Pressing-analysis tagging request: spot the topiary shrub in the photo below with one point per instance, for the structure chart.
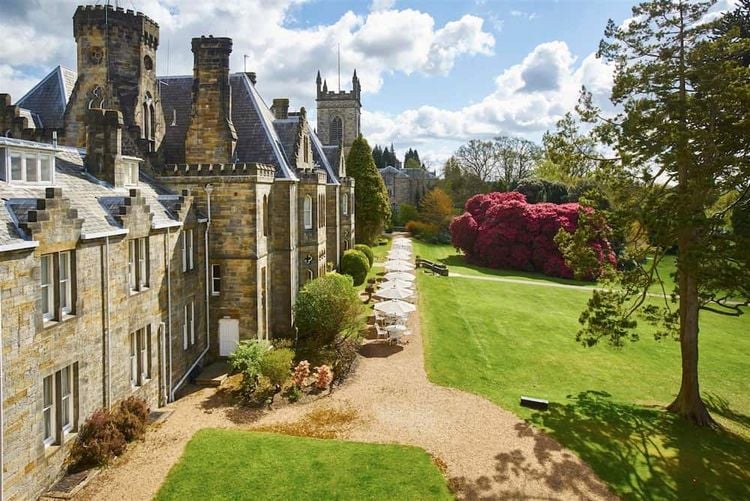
(99, 440)
(131, 417)
(367, 251)
(276, 365)
(326, 307)
(355, 264)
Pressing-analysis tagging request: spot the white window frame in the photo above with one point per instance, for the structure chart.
(190, 250)
(192, 323)
(30, 156)
(66, 283)
(131, 174)
(345, 204)
(143, 263)
(48, 411)
(48, 286)
(144, 354)
(307, 212)
(66, 398)
(183, 243)
(133, 358)
(215, 280)
(185, 328)
(132, 275)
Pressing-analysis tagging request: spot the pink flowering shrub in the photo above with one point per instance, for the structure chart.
(323, 377)
(502, 230)
(301, 373)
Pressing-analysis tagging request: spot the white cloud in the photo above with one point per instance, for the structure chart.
(530, 16)
(382, 4)
(528, 99)
(285, 58)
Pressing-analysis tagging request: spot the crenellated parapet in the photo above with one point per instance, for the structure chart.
(263, 171)
(89, 17)
(312, 176)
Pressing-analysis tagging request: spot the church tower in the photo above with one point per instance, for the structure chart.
(116, 52)
(338, 113)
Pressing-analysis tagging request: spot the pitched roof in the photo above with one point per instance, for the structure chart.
(96, 201)
(320, 156)
(392, 170)
(257, 139)
(47, 99)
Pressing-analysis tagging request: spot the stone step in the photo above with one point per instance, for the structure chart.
(213, 375)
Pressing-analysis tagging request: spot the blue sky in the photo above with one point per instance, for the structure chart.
(434, 73)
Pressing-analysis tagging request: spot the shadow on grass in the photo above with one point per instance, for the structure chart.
(646, 453)
(457, 260)
(720, 406)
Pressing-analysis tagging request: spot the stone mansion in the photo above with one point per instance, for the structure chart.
(147, 225)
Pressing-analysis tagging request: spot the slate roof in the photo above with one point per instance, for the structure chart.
(96, 201)
(288, 131)
(415, 172)
(257, 138)
(392, 170)
(333, 154)
(47, 100)
(320, 156)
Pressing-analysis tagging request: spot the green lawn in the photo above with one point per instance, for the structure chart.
(503, 340)
(227, 464)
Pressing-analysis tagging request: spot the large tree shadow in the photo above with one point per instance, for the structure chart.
(647, 453)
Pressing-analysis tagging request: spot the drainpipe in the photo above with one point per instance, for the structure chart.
(209, 190)
(163, 364)
(169, 305)
(108, 324)
(2, 408)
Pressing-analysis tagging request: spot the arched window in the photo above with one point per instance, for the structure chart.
(336, 132)
(345, 204)
(148, 131)
(307, 212)
(306, 146)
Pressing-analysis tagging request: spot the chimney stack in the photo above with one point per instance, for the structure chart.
(104, 145)
(280, 108)
(211, 137)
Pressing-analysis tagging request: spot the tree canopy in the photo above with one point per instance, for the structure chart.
(680, 145)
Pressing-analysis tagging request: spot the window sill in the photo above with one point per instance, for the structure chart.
(215, 294)
(51, 449)
(49, 323)
(135, 292)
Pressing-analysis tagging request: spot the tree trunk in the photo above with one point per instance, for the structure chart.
(688, 403)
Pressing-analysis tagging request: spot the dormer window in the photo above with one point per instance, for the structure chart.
(131, 173)
(29, 167)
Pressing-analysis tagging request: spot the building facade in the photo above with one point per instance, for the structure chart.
(149, 224)
(407, 185)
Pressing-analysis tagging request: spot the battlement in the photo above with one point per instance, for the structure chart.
(236, 169)
(342, 95)
(87, 17)
(312, 176)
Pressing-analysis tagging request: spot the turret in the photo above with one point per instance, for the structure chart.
(116, 52)
(318, 82)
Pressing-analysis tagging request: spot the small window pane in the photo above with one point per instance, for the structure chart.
(32, 169)
(48, 409)
(65, 396)
(16, 170)
(45, 166)
(48, 298)
(131, 265)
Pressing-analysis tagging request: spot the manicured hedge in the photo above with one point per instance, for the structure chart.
(355, 264)
(367, 251)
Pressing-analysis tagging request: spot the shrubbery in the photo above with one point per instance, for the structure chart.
(367, 251)
(355, 264)
(502, 230)
(326, 307)
(276, 365)
(106, 433)
(246, 359)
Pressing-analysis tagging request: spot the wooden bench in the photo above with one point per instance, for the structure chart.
(436, 268)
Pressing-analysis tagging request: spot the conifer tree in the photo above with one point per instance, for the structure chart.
(371, 206)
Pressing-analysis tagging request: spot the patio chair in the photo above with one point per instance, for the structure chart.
(381, 332)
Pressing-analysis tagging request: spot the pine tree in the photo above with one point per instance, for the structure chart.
(377, 156)
(371, 206)
(682, 145)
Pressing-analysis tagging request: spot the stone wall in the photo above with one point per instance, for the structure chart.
(94, 337)
(312, 242)
(333, 225)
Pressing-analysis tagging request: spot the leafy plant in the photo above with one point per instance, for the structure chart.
(367, 251)
(131, 417)
(355, 264)
(99, 440)
(301, 373)
(372, 208)
(247, 359)
(276, 365)
(328, 306)
(323, 377)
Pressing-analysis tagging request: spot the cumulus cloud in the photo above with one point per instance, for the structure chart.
(285, 57)
(528, 99)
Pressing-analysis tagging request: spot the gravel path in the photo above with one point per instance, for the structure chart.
(486, 452)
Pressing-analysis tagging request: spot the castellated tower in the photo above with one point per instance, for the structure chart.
(211, 137)
(116, 70)
(338, 114)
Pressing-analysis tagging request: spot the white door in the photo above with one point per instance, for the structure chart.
(229, 335)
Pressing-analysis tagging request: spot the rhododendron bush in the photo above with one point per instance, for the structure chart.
(502, 230)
